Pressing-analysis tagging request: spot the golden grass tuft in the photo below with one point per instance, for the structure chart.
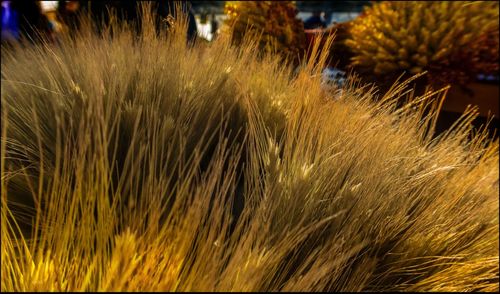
(142, 164)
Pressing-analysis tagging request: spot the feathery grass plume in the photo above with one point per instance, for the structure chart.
(122, 159)
(393, 37)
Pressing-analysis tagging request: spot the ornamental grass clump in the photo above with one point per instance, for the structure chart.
(144, 164)
(394, 37)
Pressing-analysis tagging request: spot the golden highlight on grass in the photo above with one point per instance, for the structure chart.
(143, 164)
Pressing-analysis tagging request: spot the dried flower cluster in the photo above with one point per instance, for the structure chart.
(393, 37)
(277, 21)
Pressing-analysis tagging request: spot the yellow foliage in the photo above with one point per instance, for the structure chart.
(281, 30)
(418, 35)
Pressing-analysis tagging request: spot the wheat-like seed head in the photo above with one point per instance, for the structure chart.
(142, 164)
